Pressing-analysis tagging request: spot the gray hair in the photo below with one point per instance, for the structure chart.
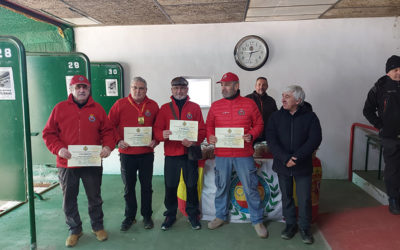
(139, 79)
(297, 91)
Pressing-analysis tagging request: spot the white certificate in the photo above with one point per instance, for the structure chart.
(183, 130)
(84, 155)
(229, 137)
(137, 136)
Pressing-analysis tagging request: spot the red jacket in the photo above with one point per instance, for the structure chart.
(191, 112)
(240, 112)
(70, 125)
(122, 114)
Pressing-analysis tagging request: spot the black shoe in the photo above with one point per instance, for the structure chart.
(168, 222)
(306, 236)
(289, 231)
(195, 223)
(127, 223)
(148, 223)
(394, 206)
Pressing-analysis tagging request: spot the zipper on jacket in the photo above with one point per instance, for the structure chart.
(291, 139)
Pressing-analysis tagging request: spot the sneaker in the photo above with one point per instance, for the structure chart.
(101, 235)
(195, 223)
(261, 230)
(168, 222)
(148, 223)
(127, 223)
(217, 222)
(72, 239)
(394, 207)
(289, 231)
(306, 236)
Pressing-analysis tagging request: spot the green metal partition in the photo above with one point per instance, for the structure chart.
(15, 134)
(12, 131)
(107, 80)
(49, 75)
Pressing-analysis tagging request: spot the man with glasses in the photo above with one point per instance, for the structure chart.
(176, 153)
(136, 114)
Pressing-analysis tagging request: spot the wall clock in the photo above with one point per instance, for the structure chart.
(251, 52)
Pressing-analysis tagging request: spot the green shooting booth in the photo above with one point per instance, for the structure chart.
(49, 75)
(107, 79)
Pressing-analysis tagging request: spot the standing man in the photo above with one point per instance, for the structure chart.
(235, 111)
(136, 111)
(79, 121)
(176, 153)
(293, 134)
(382, 110)
(265, 103)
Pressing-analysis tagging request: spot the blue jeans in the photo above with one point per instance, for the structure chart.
(247, 173)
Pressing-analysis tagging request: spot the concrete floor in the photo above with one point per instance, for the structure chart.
(336, 196)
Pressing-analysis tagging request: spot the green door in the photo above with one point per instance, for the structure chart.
(14, 126)
(107, 80)
(48, 78)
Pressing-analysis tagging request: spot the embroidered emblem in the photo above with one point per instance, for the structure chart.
(92, 118)
(189, 115)
(147, 113)
(81, 78)
(241, 112)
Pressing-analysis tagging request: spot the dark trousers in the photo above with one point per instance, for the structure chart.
(130, 165)
(69, 181)
(303, 192)
(172, 173)
(391, 155)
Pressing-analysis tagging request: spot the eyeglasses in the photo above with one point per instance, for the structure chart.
(138, 88)
(179, 87)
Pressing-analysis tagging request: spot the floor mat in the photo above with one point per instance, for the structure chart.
(364, 228)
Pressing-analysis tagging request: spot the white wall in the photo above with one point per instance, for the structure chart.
(336, 61)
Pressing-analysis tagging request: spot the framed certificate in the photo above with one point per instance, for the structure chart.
(137, 136)
(229, 137)
(84, 155)
(183, 130)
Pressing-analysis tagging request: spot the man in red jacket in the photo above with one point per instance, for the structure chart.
(235, 111)
(79, 121)
(128, 115)
(176, 153)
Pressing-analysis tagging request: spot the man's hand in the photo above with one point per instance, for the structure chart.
(153, 143)
(105, 152)
(212, 139)
(291, 162)
(166, 134)
(64, 153)
(247, 137)
(122, 144)
(187, 143)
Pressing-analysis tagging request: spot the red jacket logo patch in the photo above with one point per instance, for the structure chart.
(92, 118)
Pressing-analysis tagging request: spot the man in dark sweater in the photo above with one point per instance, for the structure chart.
(293, 134)
(265, 103)
(382, 110)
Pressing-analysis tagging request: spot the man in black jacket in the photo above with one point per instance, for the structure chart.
(382, 110)
(265, 103)
(293, 134)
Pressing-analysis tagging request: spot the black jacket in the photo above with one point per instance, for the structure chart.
(382, 107)
(267, 106)
(297, 135)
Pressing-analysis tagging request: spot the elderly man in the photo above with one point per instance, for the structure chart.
(382, 109)
(135, 112)
(265, 103)
(293, 134)
(176, 152)
(235, 111)
(79, 121)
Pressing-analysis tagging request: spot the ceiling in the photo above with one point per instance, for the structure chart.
(148, 12)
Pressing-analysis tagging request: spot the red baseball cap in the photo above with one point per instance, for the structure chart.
(229, 77)
(79, 79)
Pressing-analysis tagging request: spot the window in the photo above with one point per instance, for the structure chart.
(200, 90)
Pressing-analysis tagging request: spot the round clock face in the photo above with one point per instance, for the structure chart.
(251, 52)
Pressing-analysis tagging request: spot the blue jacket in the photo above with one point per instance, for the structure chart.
(297, 135)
